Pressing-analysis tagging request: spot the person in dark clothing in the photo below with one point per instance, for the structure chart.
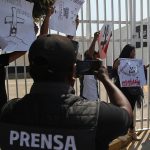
(51, 103)
(134, 94)
(5, 59)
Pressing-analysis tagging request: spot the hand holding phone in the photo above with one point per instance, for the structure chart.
(87, 67)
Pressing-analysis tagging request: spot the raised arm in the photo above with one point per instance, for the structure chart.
(14, 55)
(146, 66)
(45, 25)
(115, 95)
(91, 49)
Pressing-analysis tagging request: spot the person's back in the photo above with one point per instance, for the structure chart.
(48, 104)
(51, 103)
(41, 108)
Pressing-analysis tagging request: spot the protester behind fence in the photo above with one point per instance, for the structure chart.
(133, 94)
(50, 102)
(88, 83)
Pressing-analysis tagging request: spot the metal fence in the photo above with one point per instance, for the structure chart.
(130, 20)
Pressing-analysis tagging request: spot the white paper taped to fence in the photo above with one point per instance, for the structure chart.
(131, 72)
(16, 25)
(63, 19)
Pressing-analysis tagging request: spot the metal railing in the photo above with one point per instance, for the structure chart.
(127, 18)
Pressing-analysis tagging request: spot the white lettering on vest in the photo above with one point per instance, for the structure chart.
(58, 142)
(42, 141)
(46, 141)
(70, 143)
(34, 139)
(24, 138)
(14, 135)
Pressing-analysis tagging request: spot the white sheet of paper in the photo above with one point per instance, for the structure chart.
(63, 19)
(103, 39)
(3, 43)
(106, 32)
(16, 22)
(131, 72)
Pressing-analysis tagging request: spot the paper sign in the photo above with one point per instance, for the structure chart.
(131, 73)
(16, 22)
(63, 19)
(3, 43)
(104, 38)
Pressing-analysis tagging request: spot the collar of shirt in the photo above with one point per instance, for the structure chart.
(51, 88)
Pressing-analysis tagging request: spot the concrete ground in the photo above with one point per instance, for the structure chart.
(127, 144)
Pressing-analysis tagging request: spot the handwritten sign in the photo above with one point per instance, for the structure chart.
(63, 19)
(104, 38)
(131, 73)
(16, 22)
(3, 43)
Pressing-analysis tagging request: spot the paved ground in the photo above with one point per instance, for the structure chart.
(125, 143)
(143, 144)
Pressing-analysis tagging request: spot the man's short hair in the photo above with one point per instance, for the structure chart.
(51, 57)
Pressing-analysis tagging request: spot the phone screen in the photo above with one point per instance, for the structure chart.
(87, 67)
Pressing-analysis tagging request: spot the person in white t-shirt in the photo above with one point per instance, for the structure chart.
(88, 83)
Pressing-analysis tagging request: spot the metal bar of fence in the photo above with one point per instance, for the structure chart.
(103, 21)
(112, 19)
(130, 17)
(105, 60)
(97, 13)
(82, 31)
(148, 37)
(7, 84)
(119, 14)
(16, 77)
(25, 74)
(141, 27)
(127, 20)
(104, 1)
(88, 25)
(98, 29)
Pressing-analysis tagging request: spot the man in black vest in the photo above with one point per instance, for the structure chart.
(51, 103)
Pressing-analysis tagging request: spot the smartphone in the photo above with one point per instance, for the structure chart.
(87, 67)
